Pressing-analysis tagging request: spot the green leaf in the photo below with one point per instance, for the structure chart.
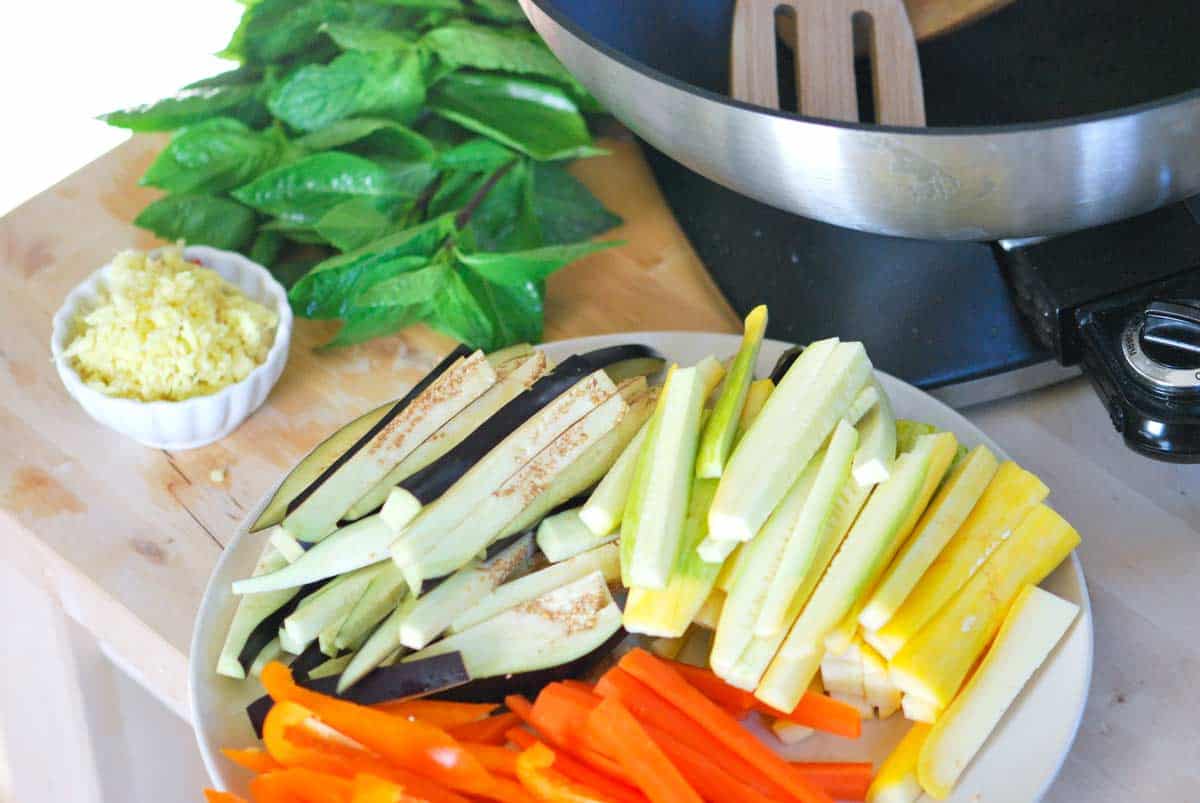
(417, 286)
(332, 285)
(370, 134)
(536, 118)
(238, 75)
(365, 323)
(192, 106)
(266, 247)
(293, 231)
(271, 30)
(457, 188)
(213, 156)
(458, 313)
(516, 311)
(292, 268)
(348, 36)
(534, 265)
(304, 190)
(354, 223)
(485, 48)
(498, 10)
(381, 84)
(199, 220)
(505, 220)
(431, 5)
(566, 211)
(476, 155)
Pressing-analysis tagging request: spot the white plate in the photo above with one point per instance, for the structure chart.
(1017, 764)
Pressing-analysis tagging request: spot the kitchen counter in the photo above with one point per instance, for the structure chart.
(125, 537)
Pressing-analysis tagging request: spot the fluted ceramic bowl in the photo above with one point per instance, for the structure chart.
(200, 420)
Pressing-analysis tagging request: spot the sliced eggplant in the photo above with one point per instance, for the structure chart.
(272, 652)
(330, 668)
(403, 681)
(514, 377)
(784, 363)
(379, 646)
(431, 482)
(327, 607)
(491, 498)
(604, 559)
(380, 599)
(251, 611)
(351, 547)
(310, 658)
(317, 511)
(555, 628)
(316, 463)
(564, 535)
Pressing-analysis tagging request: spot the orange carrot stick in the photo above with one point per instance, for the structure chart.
(414, 745)
(486, 731)
(442, 713)
(524, 709)
(254, 759)
(578, 771)
(844, 780)
(561, 713)
(684, 696)
(578, 685)
(737, 702)
(616, 732)
(821, 713)
(216, 796)
(702, 772)
(499, 760)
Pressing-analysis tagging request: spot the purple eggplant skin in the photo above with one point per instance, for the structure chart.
(785, 362)
(417, 390)
(397, 682)
(432, 481)
(268, 628)
(495, 689)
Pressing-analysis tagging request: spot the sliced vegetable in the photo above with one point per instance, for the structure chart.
(381, 598)
(330, 668)
(354, 546)
(944, 516)
(513, 378)
(318, 461)
(604, 508)
(808, 530)
(664, 501)
(564, 535)
(844, 780)
(918, 709)
(604, 559)
(710, 612)
(1033, 626)
(490, 730)
(863, 555)
(254, 759)
(442, 713)
(249, 614)
(799, 415)
(382, 642)
(877, 683)
(555, 628)
(664, 680)
(328, 606)
(789, 732)
(935, 662)
(423, 552)
(896, 781)
(907, 433)
(1008, 498)
(717, 440)
(435, 479)
(822, 713)
(877, 436)
(460, 592)
(610, 724)
(867, 398)
(272, 652)
(641, 475)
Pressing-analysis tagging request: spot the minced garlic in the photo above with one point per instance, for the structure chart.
(168, 329)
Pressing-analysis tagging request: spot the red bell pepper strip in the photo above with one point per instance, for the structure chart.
(617, 733)
(486, 731)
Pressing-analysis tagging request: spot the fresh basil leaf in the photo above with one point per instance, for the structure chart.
(293, 231)
(457, 312)
(475, 155)
(199, 220)
(497, 10)
(365, 323)
(505, 219)
(566, 211)
(534, 265)
(290, 269)
(191, 106)
(370, 134)
(354, 223)
(409, 287)
(535, 118)
(485, 48)
(411, 178)
(456, 189)
(266, 247)
(382, 84)
(516, 311)
(271, 30)
(304, 190)
(331, 285)
(348, 36)
(213, 156)
(430, 5)
(238, 75)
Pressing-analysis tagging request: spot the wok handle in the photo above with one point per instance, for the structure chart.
(825, 49)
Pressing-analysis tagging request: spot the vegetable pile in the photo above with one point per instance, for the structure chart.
(784, 545)
(391, 162)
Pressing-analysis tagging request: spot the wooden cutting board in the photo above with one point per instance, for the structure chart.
(126, 536)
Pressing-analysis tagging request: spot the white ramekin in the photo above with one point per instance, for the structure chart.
(198, 421)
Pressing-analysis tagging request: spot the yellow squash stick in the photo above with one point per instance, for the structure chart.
(896, 781)
(934, 664)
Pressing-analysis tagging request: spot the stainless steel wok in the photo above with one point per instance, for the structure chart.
(956, 183)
